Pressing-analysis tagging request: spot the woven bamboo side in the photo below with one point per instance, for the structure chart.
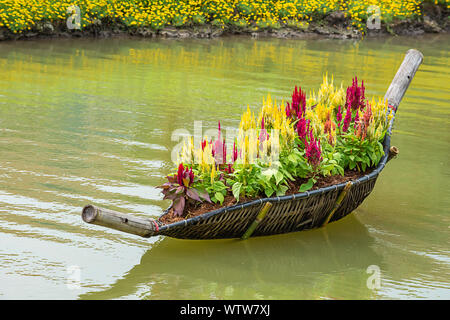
(354, 198)
(285, 215)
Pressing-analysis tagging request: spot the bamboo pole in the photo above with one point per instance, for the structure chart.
(338, 202)
(119, 221)
(403, 77)
(393, 152)
(258, 219)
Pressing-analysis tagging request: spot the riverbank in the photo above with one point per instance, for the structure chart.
(340, 24)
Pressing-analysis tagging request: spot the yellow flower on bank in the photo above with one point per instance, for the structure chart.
(268, 13)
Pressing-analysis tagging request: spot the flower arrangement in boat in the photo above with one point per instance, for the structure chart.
(284, 148)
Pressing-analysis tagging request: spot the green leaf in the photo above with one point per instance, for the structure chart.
(380, 145)
(373, 157)
(264, 178)
(230, 182)
(278, 177)
(249, 189)
(292, 158)
(287, 174)
(219, 197)
(268, 191)
(306, 186)
(352, 165)
(269, 173)
(304, 166)
(219, 186)
(236, 189)
(282, 190)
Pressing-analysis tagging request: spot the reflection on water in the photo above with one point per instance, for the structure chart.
(90, 121)
(290, 266)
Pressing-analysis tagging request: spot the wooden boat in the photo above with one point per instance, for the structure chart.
(269, 216)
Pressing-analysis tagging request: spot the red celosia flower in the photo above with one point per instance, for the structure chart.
(302, 128)
(191, 176)
(235, 153)
(297, 108)
(224, 152)
(219, 149)
(367, 115)
(313, 151)
(339, 116)
(347, 119)
(355, 95)
(218, 152)
(184, 176)
(180, 174)
(356, 117)
(204, 142)
(263, 135)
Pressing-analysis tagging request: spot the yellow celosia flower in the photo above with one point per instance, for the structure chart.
(247, 120)
(213, 173)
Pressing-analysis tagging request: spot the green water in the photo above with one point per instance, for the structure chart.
(90, 121)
